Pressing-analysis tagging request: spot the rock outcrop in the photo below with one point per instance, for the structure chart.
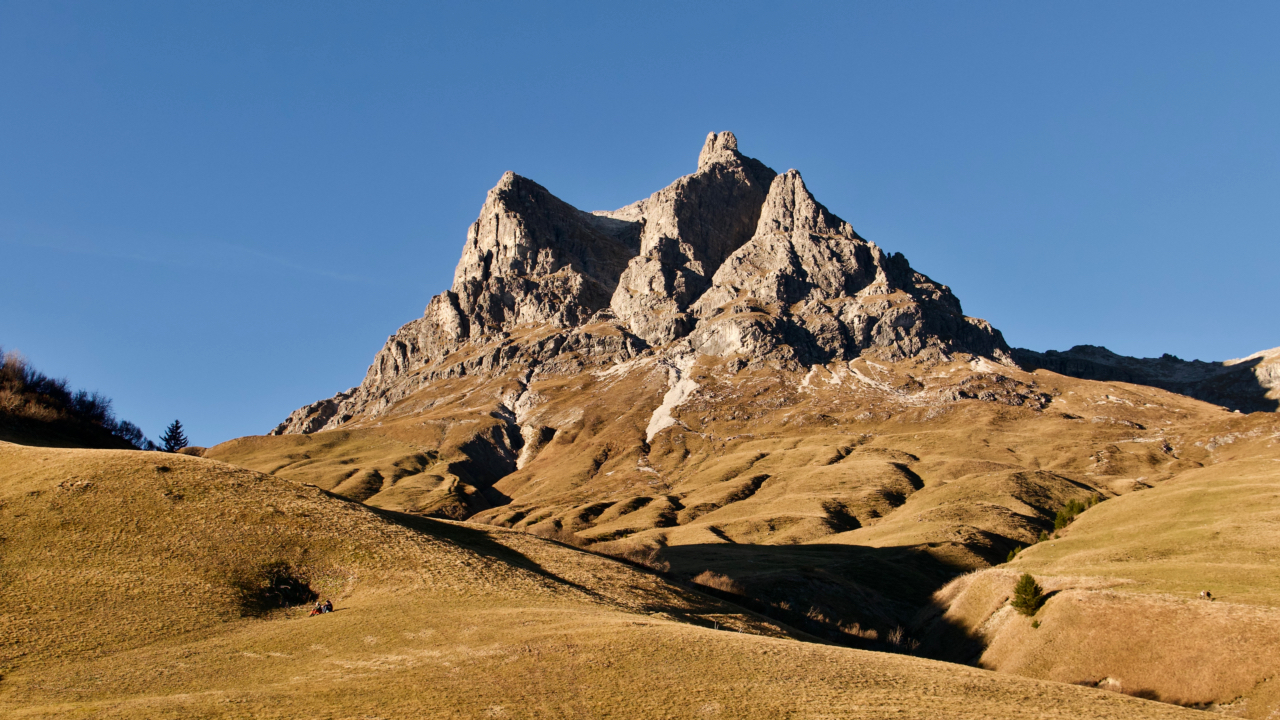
(733, 259)
(531, 259)
(310, 418)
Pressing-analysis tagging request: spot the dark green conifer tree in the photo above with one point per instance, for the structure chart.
(173, 440)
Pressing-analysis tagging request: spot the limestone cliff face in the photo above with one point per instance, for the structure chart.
(531, 259)
(733, 259)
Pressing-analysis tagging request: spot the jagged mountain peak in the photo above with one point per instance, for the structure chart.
(688, 230)
(733, 259)
(790, 207)
(808, 288)
(531, 258)
(508, 179)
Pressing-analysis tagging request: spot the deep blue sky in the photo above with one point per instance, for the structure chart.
(219, 211)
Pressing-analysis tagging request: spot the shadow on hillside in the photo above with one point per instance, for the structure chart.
(853, 595)
(481, 542)
(1234, 387)
(476, 540)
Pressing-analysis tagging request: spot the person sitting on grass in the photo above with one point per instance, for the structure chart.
(327, 607)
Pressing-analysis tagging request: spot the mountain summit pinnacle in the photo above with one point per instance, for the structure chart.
(719, 147)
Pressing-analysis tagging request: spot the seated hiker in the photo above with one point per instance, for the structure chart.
(327, 607)
(319, 608)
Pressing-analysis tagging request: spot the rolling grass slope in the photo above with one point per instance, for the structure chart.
(151, 585)
(894, 477)
(1124, 581)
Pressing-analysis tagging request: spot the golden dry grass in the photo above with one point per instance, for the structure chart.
(369, 467)
(124, 596)
(839, 499)
(763, 457)
(1125, 579)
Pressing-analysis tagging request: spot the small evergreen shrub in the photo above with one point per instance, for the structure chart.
(1028, 596)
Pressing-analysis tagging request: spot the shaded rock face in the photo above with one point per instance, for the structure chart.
(733, 259)
(532, 259)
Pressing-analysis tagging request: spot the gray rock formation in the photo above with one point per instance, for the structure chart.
(732, 259)
(313, 417)
(531, 259)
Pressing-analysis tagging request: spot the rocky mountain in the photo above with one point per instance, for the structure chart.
(733, 260)
(727, 383)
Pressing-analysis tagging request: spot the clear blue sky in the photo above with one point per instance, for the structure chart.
(218, 211)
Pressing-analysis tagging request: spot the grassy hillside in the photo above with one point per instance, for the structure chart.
(865, 453)
(1124, 582)
(149, 585)
(895, 478)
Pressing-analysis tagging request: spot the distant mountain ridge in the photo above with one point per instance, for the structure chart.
(1249, 384)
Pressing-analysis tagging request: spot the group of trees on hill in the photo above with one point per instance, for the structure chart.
(26, 394)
